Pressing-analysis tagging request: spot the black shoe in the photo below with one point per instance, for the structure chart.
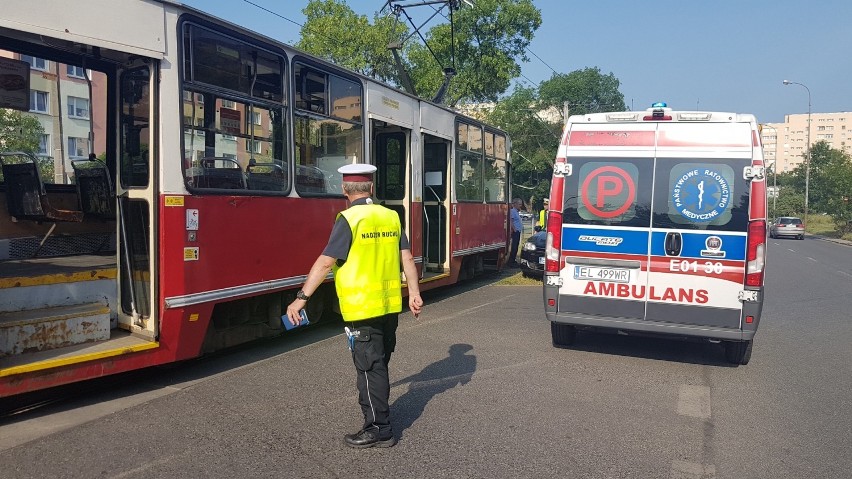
(364, 439)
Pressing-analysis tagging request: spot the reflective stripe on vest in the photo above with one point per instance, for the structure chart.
(368, 284)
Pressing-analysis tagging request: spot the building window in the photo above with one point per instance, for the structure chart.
(75, 71)
(36, 63)
(253, 146)
(78, 107)
(44, 145)
(78, 147)
(39, 101)
(228, 104)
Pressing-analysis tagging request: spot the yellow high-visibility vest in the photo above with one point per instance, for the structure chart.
(368, 284)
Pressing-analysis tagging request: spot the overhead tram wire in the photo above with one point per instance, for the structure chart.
(542, 61)
(289, 20)
(527, 48)
(416, 30)
(276, 14)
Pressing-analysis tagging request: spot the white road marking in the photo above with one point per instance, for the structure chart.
(694, 401)
(788, 249)
(844, 273)
(691, 470)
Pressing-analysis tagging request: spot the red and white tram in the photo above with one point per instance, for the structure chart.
(186, 178)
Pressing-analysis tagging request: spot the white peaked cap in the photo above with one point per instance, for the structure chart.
(357, 172)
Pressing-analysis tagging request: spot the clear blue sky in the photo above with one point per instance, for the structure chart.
(722, 55)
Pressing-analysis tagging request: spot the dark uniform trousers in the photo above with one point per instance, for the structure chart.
(374, 343)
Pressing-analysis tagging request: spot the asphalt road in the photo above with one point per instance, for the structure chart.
(478, 391)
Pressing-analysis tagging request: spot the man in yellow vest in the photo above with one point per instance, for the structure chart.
(542, 215)
(365, 249)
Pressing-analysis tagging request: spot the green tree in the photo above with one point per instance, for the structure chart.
(22, 132)
(789, 203)
(829, 186)
(585, 91)
(333, 31)
(490, 39)
(535, 140)
(19, 131)
(534, 143)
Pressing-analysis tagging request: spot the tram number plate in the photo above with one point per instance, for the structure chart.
(596, 273)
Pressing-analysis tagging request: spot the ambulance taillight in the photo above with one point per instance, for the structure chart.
(553, 243)
(755, 253)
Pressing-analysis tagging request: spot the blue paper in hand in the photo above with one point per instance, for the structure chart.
(288, 325)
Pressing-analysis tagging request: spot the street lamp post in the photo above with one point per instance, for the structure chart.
(774, 170)
(808, 159)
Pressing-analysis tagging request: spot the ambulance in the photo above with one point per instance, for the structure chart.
(657, 226)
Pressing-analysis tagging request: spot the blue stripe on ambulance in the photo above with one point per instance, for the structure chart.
(600, 240)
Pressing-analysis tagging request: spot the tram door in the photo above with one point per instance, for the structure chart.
(436, 153)
(391, 157)
(136, 193)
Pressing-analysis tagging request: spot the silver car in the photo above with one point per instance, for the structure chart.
(788, 226)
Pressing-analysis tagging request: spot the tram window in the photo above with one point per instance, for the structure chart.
(249, 136)
(500, 146)
(468, 167)
(323, 146)
(135, 122)
(326, 94)
(391, 161)
(328, 129)
(495, 180)
(489, 144)
(311, 88)
(462, 136)
(468, 176)
(495, 172)
(221, 61)
(475, 139)
(345, 99)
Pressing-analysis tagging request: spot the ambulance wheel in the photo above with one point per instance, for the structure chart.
(563, 334)
(738, 352)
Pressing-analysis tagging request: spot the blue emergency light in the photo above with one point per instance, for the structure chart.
(659, 104)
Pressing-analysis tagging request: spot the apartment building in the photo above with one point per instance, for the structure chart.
(60, 101)
(786, 143)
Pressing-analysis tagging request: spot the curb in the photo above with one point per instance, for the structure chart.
(831, 240)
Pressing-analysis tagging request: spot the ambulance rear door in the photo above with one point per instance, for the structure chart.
(606, 221)
(699, 223)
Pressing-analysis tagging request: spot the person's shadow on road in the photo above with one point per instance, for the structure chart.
(440, 376)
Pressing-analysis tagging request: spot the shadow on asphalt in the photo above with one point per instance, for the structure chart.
(454, 370)
(677, 350)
